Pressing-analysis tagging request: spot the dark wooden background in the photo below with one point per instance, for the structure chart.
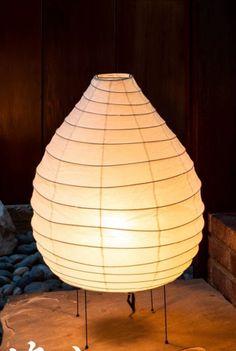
(181, 53)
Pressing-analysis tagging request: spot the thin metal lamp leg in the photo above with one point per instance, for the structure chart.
(77, 305)
(152, 308)
(86, 320)
(165, 313)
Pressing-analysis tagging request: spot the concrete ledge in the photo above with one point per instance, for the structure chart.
(198, 316)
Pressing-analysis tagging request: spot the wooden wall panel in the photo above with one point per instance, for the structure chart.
(78, 43)
(214, 103)
(213, 120)
(152, 45)
(20, 73)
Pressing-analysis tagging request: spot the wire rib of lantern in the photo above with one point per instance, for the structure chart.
(115, 143)
(115, 186)
(111, 103)
(113, 91)
(117, 209)
(119, 247)
(116, 164)
(120, 266)
(120, 229)
(153, 112)
(115, 274)
(114, 129)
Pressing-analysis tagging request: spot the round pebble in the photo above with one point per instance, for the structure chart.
(4, 280)
(17, 291)
(16, 258)
(36, 287)
(26, 249)
(5, 273)
(20, 270)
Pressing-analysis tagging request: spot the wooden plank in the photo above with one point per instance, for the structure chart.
(213, 126)
(151, 44)
(78, 43)
(20, 72)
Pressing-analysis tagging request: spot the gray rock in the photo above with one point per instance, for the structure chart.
(53, 284)
(8, 239)
(4, 280)
(41, 272)
(5, 273)
(65, 286)
(7, 266)
(17, 291)
(26, 249)
(16, 278)
(26, 280)
(21, 216)
(20, 270)
(4, 259)
(3, 300)
(16, 258)
(29, 261)
(36, 287)
(8, 289)
(37, 274)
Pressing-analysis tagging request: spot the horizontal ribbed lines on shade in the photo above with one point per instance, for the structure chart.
(118, 266)
(114, 91)
(120, 229)
(118, 104)
(115, 129)
(115, 186)
(115, 209)
(116, 164)
(117, 282)
(115, 143)
(117, 274)
(120, 115)
(116, 247)
(123, 290)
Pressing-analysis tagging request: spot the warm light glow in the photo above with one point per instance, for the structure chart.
(116, 200)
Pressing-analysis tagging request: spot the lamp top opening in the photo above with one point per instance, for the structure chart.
(113, 76)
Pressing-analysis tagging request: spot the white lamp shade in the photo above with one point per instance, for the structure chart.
(116, 200)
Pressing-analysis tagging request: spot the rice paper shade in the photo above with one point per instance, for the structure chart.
(116, 200)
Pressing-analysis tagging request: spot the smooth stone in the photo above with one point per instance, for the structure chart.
(36, 273)
(20, 270)
(24, 281)
(16, 258)
(4, 259)
(29, 261)
(7, 266)
(25, 238)
(36, 287)
(5, 273)
(65, 286)
(41, 272)
(8, 289)
(17, 291)
(26, 249)
(4, 280)
(3, 301)
(53, 284)
(16, 278)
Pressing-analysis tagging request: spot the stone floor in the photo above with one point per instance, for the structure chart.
(198, 318)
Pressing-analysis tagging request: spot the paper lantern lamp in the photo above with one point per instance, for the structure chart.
(116, 200)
